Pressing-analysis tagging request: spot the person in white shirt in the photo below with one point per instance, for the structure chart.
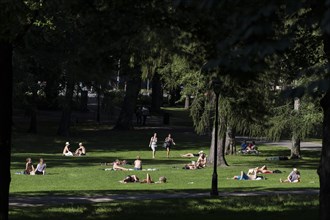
(41, 167)
(153, 144)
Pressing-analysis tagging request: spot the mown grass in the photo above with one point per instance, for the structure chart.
(266, 207)
(86, 176)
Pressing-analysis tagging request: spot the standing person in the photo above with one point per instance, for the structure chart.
(138, 114)
(41, 167)
(145, 113)
(81, 150)
(29, 168)
(168, 144)
(153, 144)
(66, 150)
(138, 163)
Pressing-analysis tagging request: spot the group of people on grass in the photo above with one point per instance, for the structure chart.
(39, 170)
(168, 144)
(142, 112)
(249, 148)
(252, 174)
(201, 162)
(198, 164)
(41, 166)
(116, 165)
(81, 150)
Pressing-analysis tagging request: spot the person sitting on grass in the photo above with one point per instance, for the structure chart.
(294, 177)
(29, 168)
(138, 163)
(252, 148)
(251, 175)
(41, 167)
(66, 150)
(244, 146)
(191, 154)
(201, 161)
(81, 150)
(116, 166)
(130, 179)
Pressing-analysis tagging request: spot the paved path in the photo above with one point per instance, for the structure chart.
(304, 145)
(56, 200)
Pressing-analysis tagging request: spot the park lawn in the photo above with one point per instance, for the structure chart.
(86, 176)
(282, 207)
(74, 176)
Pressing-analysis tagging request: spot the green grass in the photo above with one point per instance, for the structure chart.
(282, 207)
(85, 176)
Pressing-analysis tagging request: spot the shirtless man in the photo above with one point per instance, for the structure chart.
(81, 150)
(116, 166)
(138, 163)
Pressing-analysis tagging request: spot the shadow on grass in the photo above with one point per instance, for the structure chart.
(106, 140)
(231, 208)
(165, 192)
(311, 160)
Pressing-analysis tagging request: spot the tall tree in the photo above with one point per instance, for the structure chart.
(324, 167)
(16, 18)
(6, 50)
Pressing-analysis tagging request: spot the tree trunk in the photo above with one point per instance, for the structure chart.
(172, 98)
(220, 149)
(187, 102)
(157, 93)
(324, 167)
(230, 142)
(295, 148)
(33, 120)
(51, 91)
(125, 120)
(6, 87)
(84, 101)
(64, 128)
(221, 158)
(175, 96)
(98, 118)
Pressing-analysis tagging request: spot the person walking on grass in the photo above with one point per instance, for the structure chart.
(153, 144)
(168, 143)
